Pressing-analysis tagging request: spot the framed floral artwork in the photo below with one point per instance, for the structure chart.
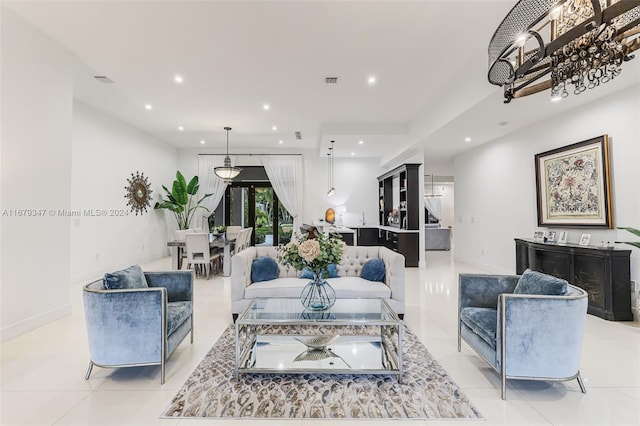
(573, 185)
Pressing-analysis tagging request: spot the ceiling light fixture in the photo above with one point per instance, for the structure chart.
(467, 139)
(360, 142)
(202, 141)
(353, 153)
(281, 142)
(274, 127)
(433, 193)
(227, 172)
(148, 107)
(575, 45)
(178, 79)
(266, 107)
(372, 80)
(332, 189)
(181, 128)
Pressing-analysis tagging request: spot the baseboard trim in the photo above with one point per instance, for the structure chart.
(34, 322)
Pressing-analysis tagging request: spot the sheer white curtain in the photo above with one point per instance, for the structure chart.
(210, 184)
(433, 205)
(285, 174)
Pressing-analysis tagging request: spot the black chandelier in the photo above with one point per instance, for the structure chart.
(562, 45)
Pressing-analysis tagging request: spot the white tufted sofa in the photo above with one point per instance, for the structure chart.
(348, 286)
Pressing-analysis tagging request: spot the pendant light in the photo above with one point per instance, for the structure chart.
(433, 194)
(227, 172)
(331, 190)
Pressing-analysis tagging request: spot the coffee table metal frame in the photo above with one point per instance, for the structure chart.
(249, 340)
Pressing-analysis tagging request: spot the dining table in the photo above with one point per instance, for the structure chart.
(177, 247)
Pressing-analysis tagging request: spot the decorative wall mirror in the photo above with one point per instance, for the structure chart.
(138, 193)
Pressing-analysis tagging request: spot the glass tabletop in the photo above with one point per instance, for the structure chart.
(282, 310)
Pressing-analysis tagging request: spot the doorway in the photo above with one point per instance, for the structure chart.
(256, 205)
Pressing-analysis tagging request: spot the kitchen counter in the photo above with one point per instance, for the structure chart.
(387, 228)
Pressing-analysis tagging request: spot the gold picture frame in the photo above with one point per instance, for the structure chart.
(573, 185)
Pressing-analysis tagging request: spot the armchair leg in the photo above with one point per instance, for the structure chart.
(86, 376)
(582, 388)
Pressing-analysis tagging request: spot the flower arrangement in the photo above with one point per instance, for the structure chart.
(314, 253)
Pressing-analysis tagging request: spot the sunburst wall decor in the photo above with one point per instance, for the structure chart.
(138, 193)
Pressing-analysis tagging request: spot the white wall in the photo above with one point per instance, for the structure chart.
(106, 152)
(36, 174)
(495, 197)
(355, 181)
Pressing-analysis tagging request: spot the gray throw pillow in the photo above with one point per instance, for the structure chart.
(532, 282)
(374, 270)
(264, 268)
(129, 278)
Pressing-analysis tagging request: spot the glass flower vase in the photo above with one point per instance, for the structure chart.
(318, 295)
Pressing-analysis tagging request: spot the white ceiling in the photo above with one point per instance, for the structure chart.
(429, 58)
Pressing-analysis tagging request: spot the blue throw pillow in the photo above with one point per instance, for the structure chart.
(532, 282)
(373, 270)
(333, 272)
(129, 278)
(264, 268)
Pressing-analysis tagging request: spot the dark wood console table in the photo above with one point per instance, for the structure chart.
(605, 273)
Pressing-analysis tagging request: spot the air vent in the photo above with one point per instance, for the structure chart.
(298, 135)
(331, 80)
(103, 79)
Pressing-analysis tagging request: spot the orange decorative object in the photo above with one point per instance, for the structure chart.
(330, 216)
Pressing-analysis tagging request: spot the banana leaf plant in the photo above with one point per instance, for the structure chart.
(181, 200)
(635, 232)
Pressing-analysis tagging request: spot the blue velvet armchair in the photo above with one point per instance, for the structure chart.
(138, 326)
(522, 335)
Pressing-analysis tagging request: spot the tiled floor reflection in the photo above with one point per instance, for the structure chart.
(42, 377)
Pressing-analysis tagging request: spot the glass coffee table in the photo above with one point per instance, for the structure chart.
(355, 336)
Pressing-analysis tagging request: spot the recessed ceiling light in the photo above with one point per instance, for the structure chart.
(202, 141)
(353, 153)
(178, 79)
(266, 107)
(467, 139)
(556, 98)
(372, 79)
(360, 142)
(280, 142)
(274, 127)
(148, 107)
(181, 128)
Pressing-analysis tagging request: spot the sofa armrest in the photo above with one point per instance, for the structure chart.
(179, 284)
(542, 335)
(395, 276)
(482, 291)
(125, 326)
(241, 272)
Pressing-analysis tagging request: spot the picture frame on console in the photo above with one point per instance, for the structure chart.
(562, 237)
(574, 186)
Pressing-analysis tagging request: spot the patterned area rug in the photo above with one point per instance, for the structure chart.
(427, 391)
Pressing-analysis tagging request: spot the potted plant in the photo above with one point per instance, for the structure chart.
(181, 200)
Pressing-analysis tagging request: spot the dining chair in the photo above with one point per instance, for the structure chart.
(247, 238)
(232, 232)
(180, 234)
(200, 253)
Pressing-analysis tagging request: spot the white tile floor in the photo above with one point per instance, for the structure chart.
(42, 380)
